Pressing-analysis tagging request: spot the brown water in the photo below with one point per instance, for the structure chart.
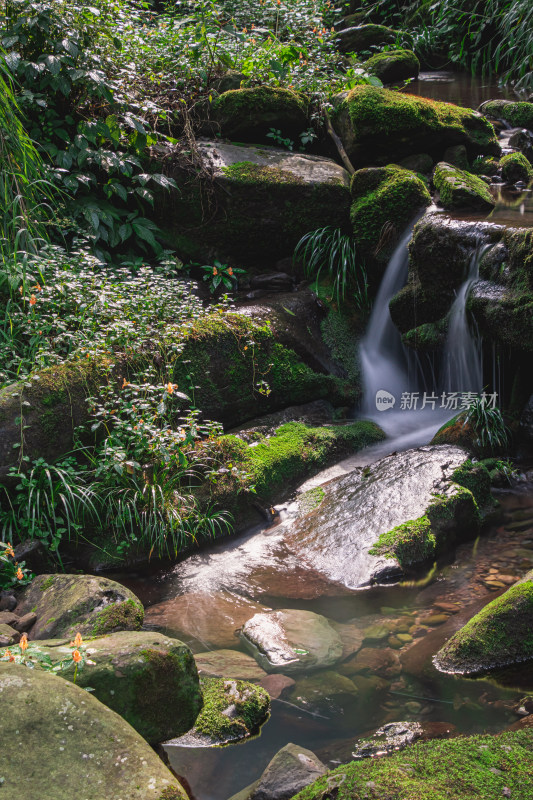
(459, 88)
(396, 680)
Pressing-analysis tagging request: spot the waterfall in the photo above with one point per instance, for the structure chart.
(395, 394)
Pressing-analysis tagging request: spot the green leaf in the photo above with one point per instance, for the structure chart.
(53, 63)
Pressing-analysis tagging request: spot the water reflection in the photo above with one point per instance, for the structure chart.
(460, 88)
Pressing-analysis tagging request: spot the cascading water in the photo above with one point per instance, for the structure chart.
(395, 393)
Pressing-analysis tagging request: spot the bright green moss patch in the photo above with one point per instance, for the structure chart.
(476, 478)
(460, 189)
(251, 708)
(384, 197)
(251, 174)
(470, 768)
(248, 114)
(519, 114)
(411, 542)
(393, 65)
(516, 167)
(119, 616)
(499, 635)
(310, 500)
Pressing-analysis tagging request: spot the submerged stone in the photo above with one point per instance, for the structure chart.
(90, 605)
(229, 664)
(68, 744)
(499, 635)
(379, 126)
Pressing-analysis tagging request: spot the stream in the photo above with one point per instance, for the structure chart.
(204, 599)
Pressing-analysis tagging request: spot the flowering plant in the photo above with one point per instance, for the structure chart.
(12, 573)
(221, 274)
(29, 654)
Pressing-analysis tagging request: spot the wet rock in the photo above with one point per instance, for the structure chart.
(8, 618)
(397, 735)
(212, 619)
(266, 200)
(319, 412)
(362, 37)
(381, 126)
(8, 601)
(420, 162)
(325, 692)
(60, 730)
(25, 623)
(68, 604)
(230, 664)
(273, 281)
(292, 641)
(460, 189)
(499, 635)
(433, 619)
(393, 66)
(383, 662)
(457, 156)
(8, 635)
(352, 637)
(232, 710)
(292, 769)
(519, 114)
(246, 115)
(515, 168)
(276, 685)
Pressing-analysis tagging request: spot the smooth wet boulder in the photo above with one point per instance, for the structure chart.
(250, 203)
(459, 189)
(363, 37)
(517, 113)
(393, 66)
(384, 199)
(325, 692)
(292, 641)
(459, 768)
(378, 126)
(247, 115)
(61, 741)
(229, 664)
(516, 167)
(499, 635)
(90, 605)
(378, 521)
(289, 771)
(232, 710)
(147, 678)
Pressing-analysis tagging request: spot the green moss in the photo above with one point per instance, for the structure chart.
(47, 583)
(485, 165)
(118, 616)
(427, 337)
(476, 478)
(248, 105)
(409, 543)
(484, 767)
(519, 114)
(252, 706)
(252, 174)
(393, 65)
(172, 793)
(310, 500)
(384, 197)
(460, 189)
(341, 334)
(500, 634)
(516, 167)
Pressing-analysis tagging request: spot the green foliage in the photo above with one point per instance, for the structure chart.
(12, 573)
(221, 276)
(488, 425)
(333, 251)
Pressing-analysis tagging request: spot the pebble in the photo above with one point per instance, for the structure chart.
(433, 619)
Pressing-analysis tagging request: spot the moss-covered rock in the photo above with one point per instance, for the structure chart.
(66, 604)
(68, 744)
(485, 165)
(488, 767)
(393, 66)
(518, 113)
(516, 167)
(251, 203)
(380, 126)
(147, 678)
(385, 200)
(362, 37)
(499, 635)
(247, 115)
(232, 710)
(460, 189)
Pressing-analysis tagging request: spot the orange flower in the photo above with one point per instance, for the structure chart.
(78, 641)
(9, 550)
(170, 388)
(230, 271)
(23, 644)
(33, 300)
(20, 574)
(215, 271)
(77, 656)
(38, 287)
(21, 290)
(125, 383)
(8, 654)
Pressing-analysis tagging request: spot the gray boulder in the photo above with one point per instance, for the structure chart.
(291, 770)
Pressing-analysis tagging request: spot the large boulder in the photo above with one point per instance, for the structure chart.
(60, 741)
(384, 199)
(460, 189)
(90, 605)
(148, 679)
(250, 203)
(499, 635)
(247, 115)
(378, 126)
(393, 66)
(517, 113)
(291, 641)
(362, 37)
(229, 664)
(291, 769)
